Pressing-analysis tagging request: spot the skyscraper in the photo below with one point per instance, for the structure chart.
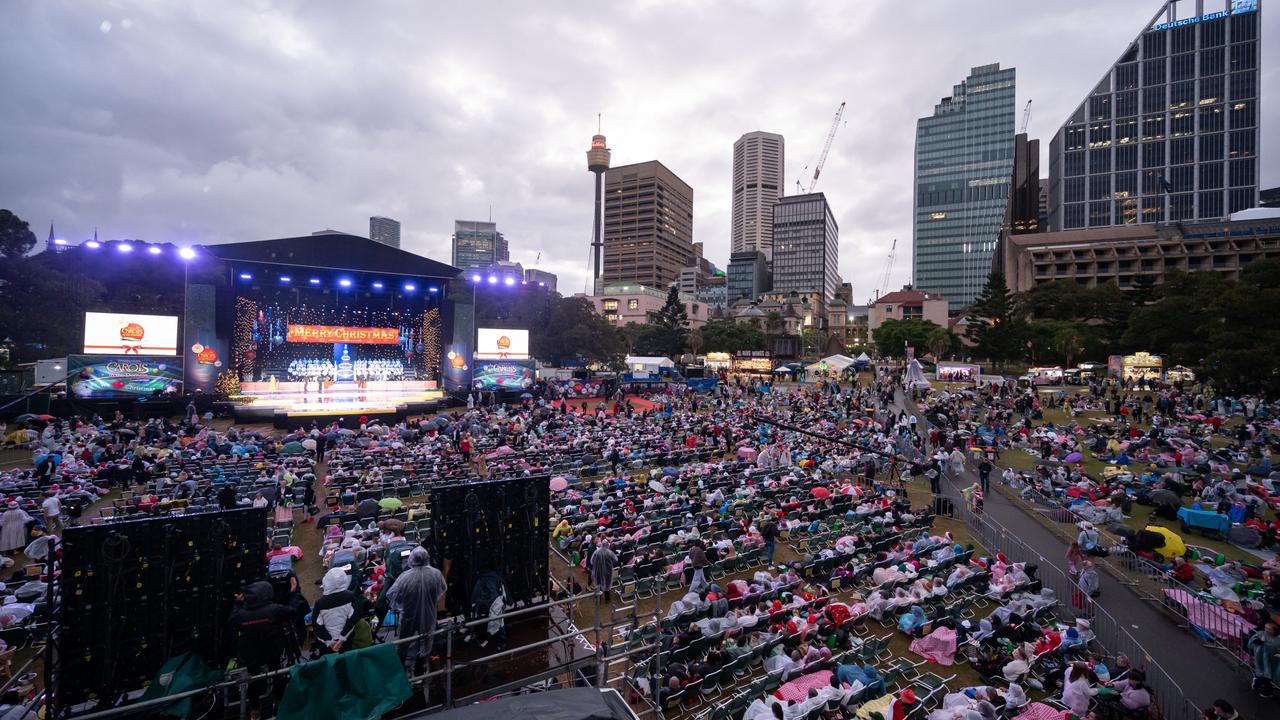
(964, 162)
(1170, 133)
(758, 182)
(747, 275)
(648, 225)
(806, 245)
(384, 230)
(477, 244)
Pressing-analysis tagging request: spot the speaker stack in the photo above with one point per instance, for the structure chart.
(497, 525)
(138, 592)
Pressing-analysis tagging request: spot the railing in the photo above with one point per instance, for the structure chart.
(1108, 632)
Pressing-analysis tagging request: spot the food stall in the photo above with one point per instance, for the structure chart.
(951, 372)
(753, 362)
(1180, 373)
(717, 361)
(1138, 366)
(1042, 376)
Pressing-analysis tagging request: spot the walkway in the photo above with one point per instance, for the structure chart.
(1203, 675)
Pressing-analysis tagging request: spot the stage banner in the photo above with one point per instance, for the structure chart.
(205, 354)
(95, 377)
(503, 375)
(339, 334)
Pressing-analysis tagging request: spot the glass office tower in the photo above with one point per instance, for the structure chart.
(806, 245)
(964, 163)
(1171, 131)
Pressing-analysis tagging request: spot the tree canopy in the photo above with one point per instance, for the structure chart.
(893, 336)
(729, 336)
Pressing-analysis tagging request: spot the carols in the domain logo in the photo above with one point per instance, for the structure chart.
(132, 331)
(127, 368)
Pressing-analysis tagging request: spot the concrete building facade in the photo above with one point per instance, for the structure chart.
(384, 230)
(648, 225)
(806, 245)
(907, 304)
(633, 303)
(759, 180)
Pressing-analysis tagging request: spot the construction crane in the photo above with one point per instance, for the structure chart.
(1026, 116)
(826, 147)
(888, 268)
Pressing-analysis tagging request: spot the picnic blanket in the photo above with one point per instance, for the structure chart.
(938, 646)
(798, 689)
(1204, 519)
(1211, 618)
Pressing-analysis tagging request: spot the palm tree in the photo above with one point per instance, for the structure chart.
(938, 342)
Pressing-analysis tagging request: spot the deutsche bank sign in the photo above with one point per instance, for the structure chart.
(1238, 7)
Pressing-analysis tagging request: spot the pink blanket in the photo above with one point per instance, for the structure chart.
(1040, 711)
(1210, 617)
(798, 689)
(938, 646)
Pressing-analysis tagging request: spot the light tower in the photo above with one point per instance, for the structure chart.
(597, 162)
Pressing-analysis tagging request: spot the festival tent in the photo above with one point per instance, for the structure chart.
(832, 362)
(915, 374)
(643, 363)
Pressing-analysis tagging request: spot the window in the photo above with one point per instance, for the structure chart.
(1182, 94)
(1153, 127)
(1241, 199)
(1152, 182)
(1127, 158)
(1211, 62)
(1152, 209)
(1182, 123)
(1073, 216)
(1152, 154)
(633, 304)
(1211, 147)
(1243, 115)
(1211, 176)
(1153, 99)
(1211, 118)
(1244, 143)
(1212, 89)
(1242, 173)
(1182, 151)
(1099, 214)
(1244, 27)
(1182, 178)
(1184, 38)
(1244, 85)
(1100, 108)
(1127, 103)
(1153, 73)
(1073, 164)
(1211, 204)
(1100, 161)
(609, 305)
(1099, 187)
(1075, 137)
(1073, 189)
(1182, 67)
(1153, 44)
(1126, 130)
(1213, 33)
(1127, 76)
(1126, 184)
(1244, 56)
(1100, 134)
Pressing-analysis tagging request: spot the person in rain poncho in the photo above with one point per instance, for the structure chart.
(334, 615)
(415, 596)
(601, 566)
(13, 528)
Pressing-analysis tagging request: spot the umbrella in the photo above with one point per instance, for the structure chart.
(309, 443)
(46, 417)
(670, 472)
(391, 503)
(292, 448)
(526, 395)
(1163, 497)
(657, 486)
(1073, 457)
(820, 492)
(1173, 546)
(558, 484)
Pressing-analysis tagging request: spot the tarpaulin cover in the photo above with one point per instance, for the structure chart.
(345, 686)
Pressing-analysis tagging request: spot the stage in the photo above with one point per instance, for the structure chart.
(288, 404)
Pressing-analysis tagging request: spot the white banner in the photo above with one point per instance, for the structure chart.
(499, 344)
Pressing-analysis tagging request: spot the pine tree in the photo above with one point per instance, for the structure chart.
(996, 323)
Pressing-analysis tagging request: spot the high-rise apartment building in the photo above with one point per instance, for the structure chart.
(748, 275)
(648, 225)
(964, 162)
(477, 244)
(758, 182)
(1170, 133)
(384, 230)
(806, 245)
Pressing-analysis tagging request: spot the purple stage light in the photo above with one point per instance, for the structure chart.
(93, 244)
(186, 253)
(124, 247)
(246, 276)
(154, 250)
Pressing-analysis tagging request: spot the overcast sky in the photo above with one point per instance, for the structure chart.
(207, 122)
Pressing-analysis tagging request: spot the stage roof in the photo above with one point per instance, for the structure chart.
(334, 251)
